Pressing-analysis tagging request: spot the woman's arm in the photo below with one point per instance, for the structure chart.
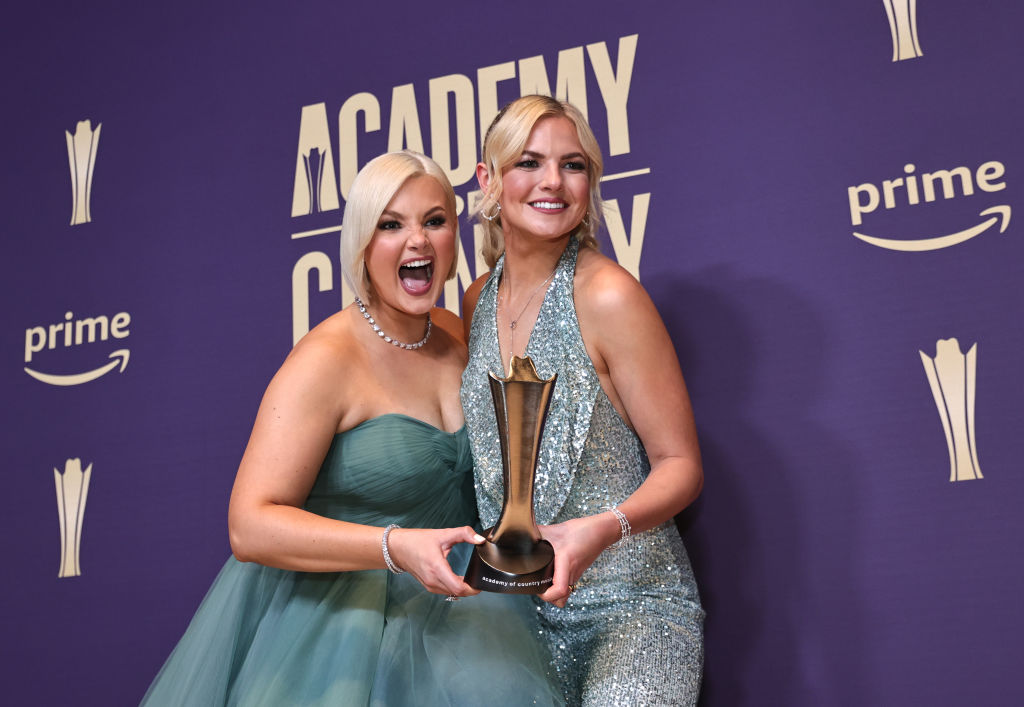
(633, 354)
(631, 343)
(297, 420)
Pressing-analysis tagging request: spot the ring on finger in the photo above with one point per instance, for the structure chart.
(451, 597)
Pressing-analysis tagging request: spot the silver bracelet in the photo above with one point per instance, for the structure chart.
(624, 526)
(384, 549)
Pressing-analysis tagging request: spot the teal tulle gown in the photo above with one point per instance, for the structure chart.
(265, 636)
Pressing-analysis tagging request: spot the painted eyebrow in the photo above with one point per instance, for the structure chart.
(396, 215)
(571, 155)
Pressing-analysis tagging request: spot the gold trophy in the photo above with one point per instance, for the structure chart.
(515, 559)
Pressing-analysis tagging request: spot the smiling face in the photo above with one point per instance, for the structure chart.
(546, 192)
(412, 247)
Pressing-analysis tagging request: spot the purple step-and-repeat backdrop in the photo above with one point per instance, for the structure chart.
(821, 197)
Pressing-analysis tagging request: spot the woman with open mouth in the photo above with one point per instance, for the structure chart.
(354, 500)
(618, 456)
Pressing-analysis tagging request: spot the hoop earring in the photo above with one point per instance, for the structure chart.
(496, 214)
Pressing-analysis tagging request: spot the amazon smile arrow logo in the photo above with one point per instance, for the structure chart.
(72, 333)
(1000, 214)
(912, 189)
(120, 358)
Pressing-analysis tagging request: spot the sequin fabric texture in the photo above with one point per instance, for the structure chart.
(632, 633)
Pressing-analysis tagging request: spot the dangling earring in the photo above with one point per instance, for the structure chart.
(586, 221)
(497, 212)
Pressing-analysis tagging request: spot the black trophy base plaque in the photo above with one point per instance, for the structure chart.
(502, 570)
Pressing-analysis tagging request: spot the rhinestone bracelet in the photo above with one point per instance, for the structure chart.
(623, 525)
(384, 548)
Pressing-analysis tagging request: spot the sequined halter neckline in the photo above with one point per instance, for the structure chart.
(554, 345)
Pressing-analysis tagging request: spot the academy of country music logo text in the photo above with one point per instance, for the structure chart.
(454, 111)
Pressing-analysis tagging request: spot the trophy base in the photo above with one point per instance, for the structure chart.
(496, 569)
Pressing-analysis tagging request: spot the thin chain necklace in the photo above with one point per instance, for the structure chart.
(393, 342)
(514, 322)
(508, 289)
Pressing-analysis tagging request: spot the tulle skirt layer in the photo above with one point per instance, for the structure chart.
(264, 636)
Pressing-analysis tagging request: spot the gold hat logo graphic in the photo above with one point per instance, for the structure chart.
(316, 187)
(72, 491)
(82, 159)
(902, 16)
(951, 376)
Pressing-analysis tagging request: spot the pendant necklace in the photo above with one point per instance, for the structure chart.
(393, 342)
(514, 322)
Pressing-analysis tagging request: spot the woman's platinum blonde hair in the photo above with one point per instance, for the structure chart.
(371, 192)
(503, 146)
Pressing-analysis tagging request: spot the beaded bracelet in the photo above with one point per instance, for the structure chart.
(624, 526)
(384, 548)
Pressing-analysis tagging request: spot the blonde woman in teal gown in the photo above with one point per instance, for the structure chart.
(619, 455)
(359, 463)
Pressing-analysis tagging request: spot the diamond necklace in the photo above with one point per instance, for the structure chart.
(393, 342)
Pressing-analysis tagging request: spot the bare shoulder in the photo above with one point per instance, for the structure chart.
(326, 355)
(447, 321)
(603, 288)
(469, 300)
(306, 397)
(449, 343)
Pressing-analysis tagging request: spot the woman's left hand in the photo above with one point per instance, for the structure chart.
(577, 544)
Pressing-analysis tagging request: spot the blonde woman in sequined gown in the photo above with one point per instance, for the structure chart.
(622, 616)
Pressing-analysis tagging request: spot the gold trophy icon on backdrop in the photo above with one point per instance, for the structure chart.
(515, 559)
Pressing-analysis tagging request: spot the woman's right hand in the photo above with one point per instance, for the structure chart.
(423, 554)
(577, 543)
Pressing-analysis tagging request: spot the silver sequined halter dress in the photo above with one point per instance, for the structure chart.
(632, 633)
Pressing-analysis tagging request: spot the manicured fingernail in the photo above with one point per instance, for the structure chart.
(478, 538)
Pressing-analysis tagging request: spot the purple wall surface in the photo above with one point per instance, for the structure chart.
(821, 198)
